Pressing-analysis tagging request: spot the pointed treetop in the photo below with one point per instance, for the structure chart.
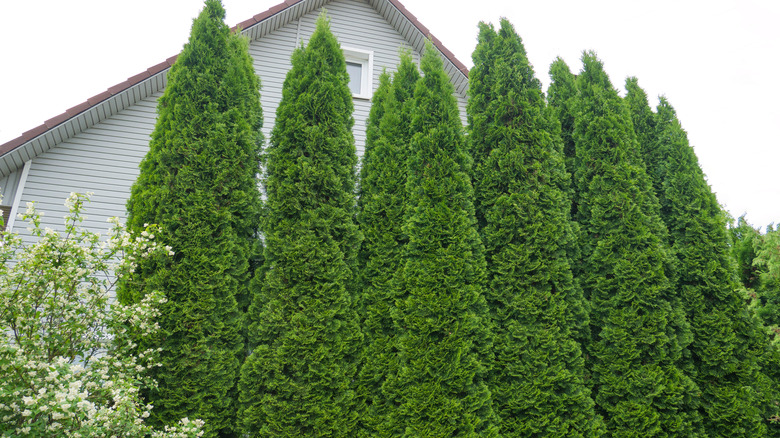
(512, 51)
(563, 85)
(431, 61)
(215, 9)
(632, 86)
(665, 111)
(323, 38)
(436, 90)
(405, 79)
(206, 36)
(641, 114)
(593, 73)
(559, 69)
(377, 109)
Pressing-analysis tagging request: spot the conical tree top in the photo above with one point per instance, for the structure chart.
(606, 113)
(563, 86)
(198, 67)
(561, 99)
(305, 128)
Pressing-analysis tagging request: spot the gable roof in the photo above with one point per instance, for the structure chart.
(14, 153)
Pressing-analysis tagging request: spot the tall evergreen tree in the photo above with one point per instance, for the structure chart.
(298, 381)
(482, 89)
(726, 335)
(537, 378)
(643, 118)
(767, 263)
(561, 96)
(442, 316)
(198, 183)
(639, 331)
(380, 215)
(744, 240)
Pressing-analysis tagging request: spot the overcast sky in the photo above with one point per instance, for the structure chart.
(716, 61)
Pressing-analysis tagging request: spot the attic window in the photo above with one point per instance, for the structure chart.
(360, 67)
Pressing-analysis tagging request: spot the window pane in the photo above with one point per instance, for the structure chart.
(355, 72)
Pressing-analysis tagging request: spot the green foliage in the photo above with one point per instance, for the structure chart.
(380, 215)
(298, 381)
(726, 336)
(767, 261)
(61, 376)
(198, 182)
(639, 330)
(561, 96)
(650, 153)
(763, 270)
(440, 388)
(744, 240)
(537, 378)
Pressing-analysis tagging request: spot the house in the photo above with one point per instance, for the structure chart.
(96, 146)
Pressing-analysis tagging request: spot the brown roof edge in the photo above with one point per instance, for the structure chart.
(445, 51)
(140, 77)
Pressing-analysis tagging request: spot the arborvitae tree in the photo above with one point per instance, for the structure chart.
(298, 381)
(380, 215)
(561, 96)
(766, 298)
(537, 378)
(644, 122)
(744, 240)
(769, 360)
(639, 332)
(767, 262)
(480, 119)
(726, 336)
(198, 183)
(442, 316)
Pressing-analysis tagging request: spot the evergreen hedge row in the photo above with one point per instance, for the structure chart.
(562, 271)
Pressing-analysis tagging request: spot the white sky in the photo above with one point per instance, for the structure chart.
(716, 61)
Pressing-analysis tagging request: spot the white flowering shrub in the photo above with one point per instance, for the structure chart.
(69, 366)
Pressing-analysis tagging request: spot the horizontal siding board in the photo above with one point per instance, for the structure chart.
(96, 144)
(95, 166)
(109, 134)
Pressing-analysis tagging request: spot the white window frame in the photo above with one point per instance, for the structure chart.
(366, 60)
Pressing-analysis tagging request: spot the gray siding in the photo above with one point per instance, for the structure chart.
(8, 187)
(104, 158)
